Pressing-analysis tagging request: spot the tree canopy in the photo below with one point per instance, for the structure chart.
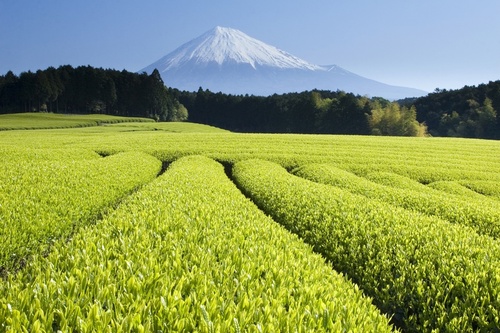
(86, 89)
(316, 111)
(467, 112)
(396, 121)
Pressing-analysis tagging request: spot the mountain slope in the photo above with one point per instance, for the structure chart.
(224, 46)
(227, 60)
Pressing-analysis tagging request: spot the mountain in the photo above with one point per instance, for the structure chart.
(227, 60)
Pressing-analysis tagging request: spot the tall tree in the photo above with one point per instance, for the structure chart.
(43, 90)
(9, 93)
(27, 87)
(395, 121)
(155, 96)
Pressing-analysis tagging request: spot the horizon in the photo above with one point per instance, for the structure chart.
(445, 45)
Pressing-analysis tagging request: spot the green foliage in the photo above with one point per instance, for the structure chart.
(159, 103)
(86, 90)
(306, 112)
(425, 160)
(18, 121)
(172, 127)
(46, 198)
(178, 112)
(395, 121)
(454, 187)
(471, 111)
(188, 252)
(430, 275)
(168, 256)
(477, 122)
(481, 214)
(489, 188)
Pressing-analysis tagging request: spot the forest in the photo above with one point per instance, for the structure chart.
(86, 90)
(309, 112)
(468, 112)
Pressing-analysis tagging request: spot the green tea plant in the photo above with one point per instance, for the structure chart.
(454, 187)
(422, 159)
(188, 252)
(39, 120)
(45, 196)
(428, 274)
(481, 214)
(173, 127)
(485, 187)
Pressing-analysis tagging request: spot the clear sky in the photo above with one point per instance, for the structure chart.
(423, 44)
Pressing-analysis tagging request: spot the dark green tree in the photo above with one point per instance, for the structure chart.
(9, 93)
(450, 112)
(27, 87)
(43, 90)
(155, 96)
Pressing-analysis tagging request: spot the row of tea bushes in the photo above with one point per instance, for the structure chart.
(188, 252)
(486, 187)
(46, 197)
(44, 120)
(482, 214)
(454, 187)
(430, 275)
(423, 159)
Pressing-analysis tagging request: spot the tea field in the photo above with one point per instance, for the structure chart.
(126, 226)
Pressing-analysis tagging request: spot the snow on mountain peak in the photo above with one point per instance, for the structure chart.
(225, 45)
(227, 60)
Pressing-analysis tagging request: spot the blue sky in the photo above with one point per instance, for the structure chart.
(424, 44)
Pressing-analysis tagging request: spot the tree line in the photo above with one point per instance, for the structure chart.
(86, 89)
(317, 111)
(469, 112)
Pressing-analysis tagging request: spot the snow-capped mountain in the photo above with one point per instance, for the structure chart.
(227, 60)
